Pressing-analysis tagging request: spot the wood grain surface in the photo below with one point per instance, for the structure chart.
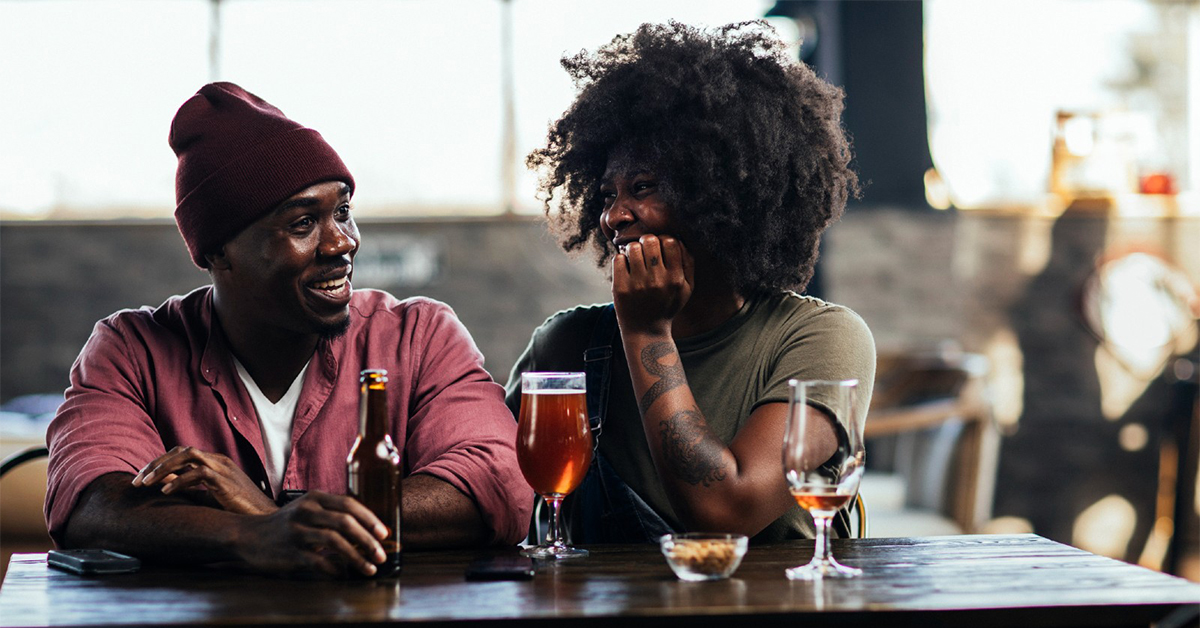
(977, 581)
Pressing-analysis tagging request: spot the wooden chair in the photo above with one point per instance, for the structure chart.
(930, 425)
(860, 512)
(22, 493)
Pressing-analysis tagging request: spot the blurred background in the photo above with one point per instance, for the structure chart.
(1026, 250)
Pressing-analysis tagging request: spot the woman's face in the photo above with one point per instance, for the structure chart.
(633, 201)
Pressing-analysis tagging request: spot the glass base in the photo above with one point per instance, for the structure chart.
(554, 552)
(818, 570)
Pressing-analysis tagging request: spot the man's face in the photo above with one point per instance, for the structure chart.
(290, 270)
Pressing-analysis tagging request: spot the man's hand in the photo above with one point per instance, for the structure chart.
(652, 281)
(188, 468)
(316, 533)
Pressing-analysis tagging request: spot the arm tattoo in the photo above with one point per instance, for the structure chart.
(689, 450)
(670, 376)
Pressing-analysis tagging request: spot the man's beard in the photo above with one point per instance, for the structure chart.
(336, 330)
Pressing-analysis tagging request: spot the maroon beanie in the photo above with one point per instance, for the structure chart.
(239, 158)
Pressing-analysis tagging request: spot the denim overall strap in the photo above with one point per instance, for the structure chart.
(604, 509)
(596, 360)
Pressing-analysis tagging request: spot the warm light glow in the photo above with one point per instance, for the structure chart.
(1006, 378)
(1196, 493)
(1105, 527)
(1007, 525)
(1036, 244)
(1133, 437)
(936, 192)
(1080, 135)
(1047, 56)
(1136, 312)
(1119, 388)
(1144, 311)
(1157, 544)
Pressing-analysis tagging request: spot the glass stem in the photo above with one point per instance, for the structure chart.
(555, 537)
(821, 546)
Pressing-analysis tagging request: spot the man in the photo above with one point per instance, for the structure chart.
(189, 429)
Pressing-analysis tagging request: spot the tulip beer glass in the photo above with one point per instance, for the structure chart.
(554, 447)
(822, 487)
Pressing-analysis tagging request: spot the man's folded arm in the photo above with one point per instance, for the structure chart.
(436, 515)
(462, 434)
(112, 514)
(318, 532)
(103, 426)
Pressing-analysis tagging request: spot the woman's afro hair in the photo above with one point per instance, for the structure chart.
(747, 143)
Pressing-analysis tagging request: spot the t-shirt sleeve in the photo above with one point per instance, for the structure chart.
(527, 362)
(461, 432)
(103, 425)
(556, 345)
(830, 343)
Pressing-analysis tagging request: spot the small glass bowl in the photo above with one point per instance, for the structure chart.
(696, 556)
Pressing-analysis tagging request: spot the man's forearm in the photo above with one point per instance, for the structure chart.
(437, 515)
(142, 522)
(113, 514)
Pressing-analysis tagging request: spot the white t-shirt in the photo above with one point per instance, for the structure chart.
(275, 423)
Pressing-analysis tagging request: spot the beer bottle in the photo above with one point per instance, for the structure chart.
(374, 466)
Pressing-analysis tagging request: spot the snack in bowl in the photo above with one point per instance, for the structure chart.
(698, 556)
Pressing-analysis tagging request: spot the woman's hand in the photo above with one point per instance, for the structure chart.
(188, 468)
(652, 281)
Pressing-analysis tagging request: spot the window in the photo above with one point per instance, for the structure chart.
(409, 91)
(998, 73)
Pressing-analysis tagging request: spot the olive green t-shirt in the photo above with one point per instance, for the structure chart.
(743, 363)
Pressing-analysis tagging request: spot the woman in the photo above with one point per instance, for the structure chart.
(701, 167)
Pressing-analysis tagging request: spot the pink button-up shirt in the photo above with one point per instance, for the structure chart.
(151, 379)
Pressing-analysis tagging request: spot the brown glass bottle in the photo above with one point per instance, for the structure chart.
(374, 466)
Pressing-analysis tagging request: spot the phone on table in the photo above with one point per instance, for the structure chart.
(503, 567)
(92, 562)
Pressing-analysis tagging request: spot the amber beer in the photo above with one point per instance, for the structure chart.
(374, 466)
(554, 441)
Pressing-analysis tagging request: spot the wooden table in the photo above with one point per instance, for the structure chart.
(977, 581)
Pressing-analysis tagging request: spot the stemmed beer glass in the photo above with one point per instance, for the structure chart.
(822, 487)
(554, 448)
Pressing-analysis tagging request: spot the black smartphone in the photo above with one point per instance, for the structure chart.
(505, 567)
(89, 562)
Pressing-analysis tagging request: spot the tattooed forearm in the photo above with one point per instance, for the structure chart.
(670, 376)
(689, 450)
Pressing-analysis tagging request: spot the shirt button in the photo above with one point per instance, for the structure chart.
(263, 485)
(234, 418)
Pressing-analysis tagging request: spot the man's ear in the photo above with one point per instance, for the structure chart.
(217, 259)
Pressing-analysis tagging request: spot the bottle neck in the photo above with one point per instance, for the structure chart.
(372, 416)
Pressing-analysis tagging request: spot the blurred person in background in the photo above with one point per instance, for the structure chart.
(701, 167)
